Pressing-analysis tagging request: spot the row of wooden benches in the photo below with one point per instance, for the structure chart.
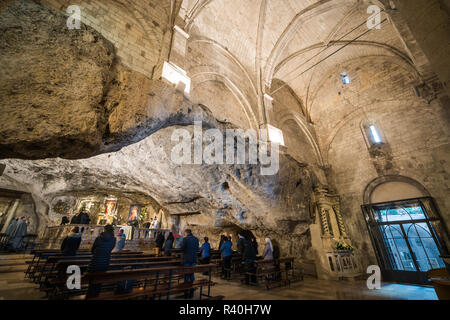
(150, 276)
(48, 269)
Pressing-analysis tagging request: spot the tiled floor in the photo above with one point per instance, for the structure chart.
(14, 286)
(313, 289)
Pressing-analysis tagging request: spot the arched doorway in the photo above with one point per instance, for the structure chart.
(405, 229)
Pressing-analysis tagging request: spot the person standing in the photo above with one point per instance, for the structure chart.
(226, 252)
(65, 219)
(76, 219)
(155, 223)
(249, 258)
(255, 244)
(121, 243)
(84, 218)
(168, 244)
(101, 256)
(268, 250)
(71, 243)
(240, 244)
(205, 251)
(18, 232)
(159, 242)
(11, 226)
(276, 257)
(222, 239)
(189, 247)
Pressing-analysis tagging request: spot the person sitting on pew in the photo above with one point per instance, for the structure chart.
(71, 243)
(101, 255)
(189, 247)
(226, 252)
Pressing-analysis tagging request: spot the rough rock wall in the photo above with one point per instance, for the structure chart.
(226, 195)
(80, 101)
(66, 94)
(52, 83)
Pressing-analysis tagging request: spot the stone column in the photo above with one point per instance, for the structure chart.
(324, 221)
(11, 211)
(340, 221)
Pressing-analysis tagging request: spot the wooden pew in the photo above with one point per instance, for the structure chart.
(440, 278)
(41, 262)
(55, 286)
(151, 283)
(59, 265)
(277, 272)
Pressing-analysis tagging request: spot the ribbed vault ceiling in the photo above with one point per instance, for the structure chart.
(285, 39)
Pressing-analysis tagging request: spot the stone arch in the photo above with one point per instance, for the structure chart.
(289, 115)
(396, 182)
(204, 76)
(301, 17)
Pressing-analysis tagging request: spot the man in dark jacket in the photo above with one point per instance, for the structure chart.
(84, 217)
(189, 247)
(226, 252)
(249, 259)
(240, 244)
(159, 242)
(75, 219)
(71, 243)
(65, 220)
(101, 255)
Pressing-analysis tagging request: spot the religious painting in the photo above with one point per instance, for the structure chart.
(110, 206)
(135, 212)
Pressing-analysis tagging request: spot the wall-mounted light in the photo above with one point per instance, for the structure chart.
(376, 138)
(345, 78)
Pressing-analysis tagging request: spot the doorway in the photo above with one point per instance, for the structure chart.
(405, 235)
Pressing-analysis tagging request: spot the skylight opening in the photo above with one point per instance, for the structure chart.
(345, 78)
(376, 138)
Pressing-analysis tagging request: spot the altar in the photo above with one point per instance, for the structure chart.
(136, 239)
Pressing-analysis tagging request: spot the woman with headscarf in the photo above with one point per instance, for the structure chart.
(268, 250)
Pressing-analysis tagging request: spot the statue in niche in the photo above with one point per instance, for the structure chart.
(332, 247)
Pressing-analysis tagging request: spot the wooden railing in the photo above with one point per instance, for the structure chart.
(54, 235)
